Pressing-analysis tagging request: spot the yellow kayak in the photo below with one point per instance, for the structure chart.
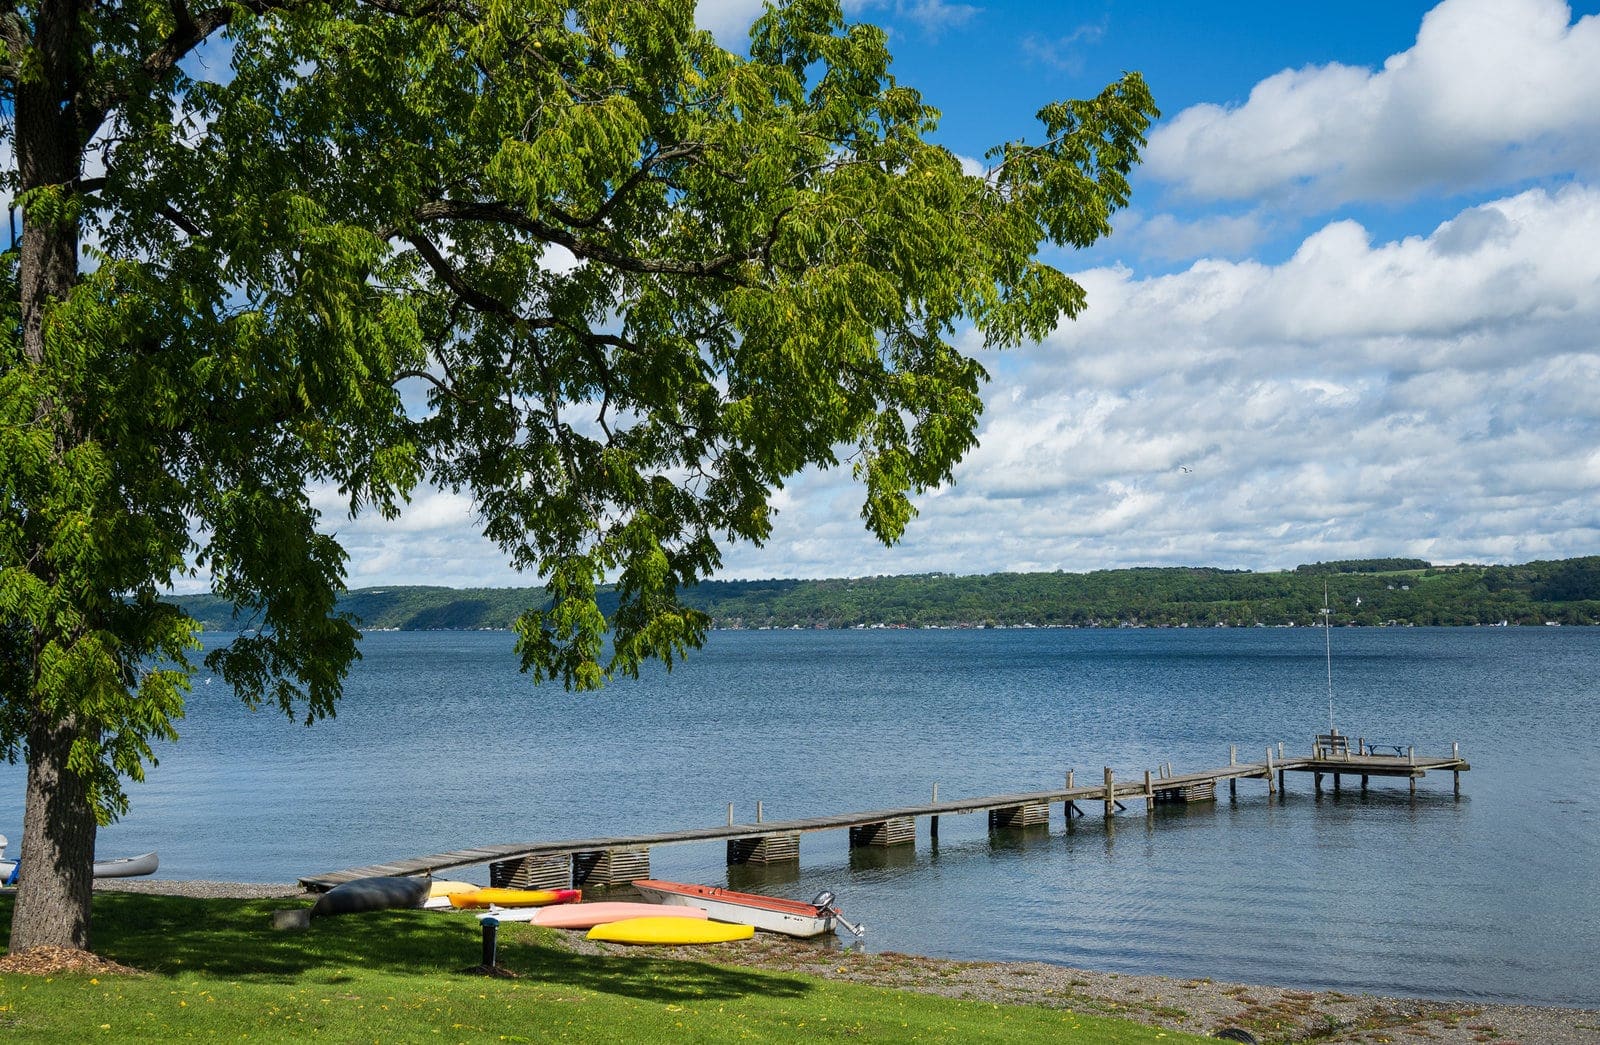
(514, 897)
(660, 930)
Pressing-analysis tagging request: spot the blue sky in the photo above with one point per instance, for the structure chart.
(1352, 310)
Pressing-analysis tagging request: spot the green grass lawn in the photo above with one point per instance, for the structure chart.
(217, 970)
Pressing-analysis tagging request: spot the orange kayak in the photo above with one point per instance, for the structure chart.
(515, 897)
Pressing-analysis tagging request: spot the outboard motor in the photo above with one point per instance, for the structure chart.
(824, 902)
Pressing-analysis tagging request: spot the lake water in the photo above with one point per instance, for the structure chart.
(441, 744)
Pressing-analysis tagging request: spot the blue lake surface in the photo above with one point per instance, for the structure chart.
(441, 744)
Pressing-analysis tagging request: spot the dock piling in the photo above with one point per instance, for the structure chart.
(1111, 796)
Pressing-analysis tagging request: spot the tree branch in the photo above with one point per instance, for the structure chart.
(503, 214)
(467, 292)
(440, 385)
(679, 151)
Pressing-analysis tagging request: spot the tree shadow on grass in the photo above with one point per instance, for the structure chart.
(234, 940)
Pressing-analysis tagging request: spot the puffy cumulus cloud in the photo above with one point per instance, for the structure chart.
(1493, 90)
(1429, 397)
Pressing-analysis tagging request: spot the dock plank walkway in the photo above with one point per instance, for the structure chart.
(1120, 790)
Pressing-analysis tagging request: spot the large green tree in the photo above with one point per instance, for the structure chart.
(574, 258)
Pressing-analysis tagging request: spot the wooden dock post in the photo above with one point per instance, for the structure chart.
(730, 814)
(1270, 789)
(1233, 754)
(607, 867)
(1111, 797)
(1012, 818)
(758, 810)
(1363, 783)
(532, 872)
(933, 821)
(1069, 806)
(1149, 795)
(899, 831)
(1336, 782)
(781, 848)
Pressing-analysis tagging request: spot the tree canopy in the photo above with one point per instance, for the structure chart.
(615, 282)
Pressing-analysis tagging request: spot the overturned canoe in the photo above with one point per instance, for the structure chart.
(380, 893)
(669, 931)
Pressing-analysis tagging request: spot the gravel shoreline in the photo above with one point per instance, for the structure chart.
(1199, 1006)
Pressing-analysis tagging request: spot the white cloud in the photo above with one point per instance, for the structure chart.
(1065, 53)
(1431, 396)
(1492, 91)
(1168, 237)
(728, 20)
(931, 16)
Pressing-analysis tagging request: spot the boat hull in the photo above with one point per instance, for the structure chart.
(128, 867)
(378, 893)
(515, 897)
(589, 915)
(670, 931)
(767, 913)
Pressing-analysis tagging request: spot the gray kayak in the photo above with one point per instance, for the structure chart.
(127, 867)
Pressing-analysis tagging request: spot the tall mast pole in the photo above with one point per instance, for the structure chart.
(1327, 643)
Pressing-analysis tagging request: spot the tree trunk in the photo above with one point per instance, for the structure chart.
(58, 826)
(56, 875)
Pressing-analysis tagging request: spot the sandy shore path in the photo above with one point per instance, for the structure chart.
(1199, 1006)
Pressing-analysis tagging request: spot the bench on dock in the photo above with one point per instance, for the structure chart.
(1331, 744)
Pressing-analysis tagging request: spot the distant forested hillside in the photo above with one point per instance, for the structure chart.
(1364, 592)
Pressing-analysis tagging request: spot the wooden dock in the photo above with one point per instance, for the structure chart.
(617, 860)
